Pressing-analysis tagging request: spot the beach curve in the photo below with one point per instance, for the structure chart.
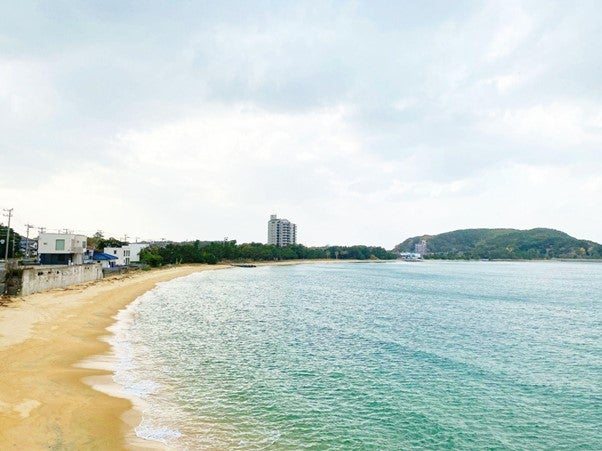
(48, 400)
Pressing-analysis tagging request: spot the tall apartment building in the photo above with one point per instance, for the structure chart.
(281, 232)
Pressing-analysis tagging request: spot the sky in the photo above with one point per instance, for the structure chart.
(363, 122)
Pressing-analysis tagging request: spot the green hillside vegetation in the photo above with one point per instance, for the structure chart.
(212, 253)
(504, 244)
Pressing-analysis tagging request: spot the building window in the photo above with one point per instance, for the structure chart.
(59, 245)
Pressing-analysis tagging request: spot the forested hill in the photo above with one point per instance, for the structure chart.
(504, 244)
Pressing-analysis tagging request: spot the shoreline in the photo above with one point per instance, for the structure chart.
(56, 363)
(520, 260)
(48, 399)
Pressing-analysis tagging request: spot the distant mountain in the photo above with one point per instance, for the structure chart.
(504, 244)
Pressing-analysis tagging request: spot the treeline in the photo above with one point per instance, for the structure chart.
(14, 243)
(500, 244)
(99, 242)
(215, 252)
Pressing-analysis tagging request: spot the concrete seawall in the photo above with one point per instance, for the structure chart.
(44, 278)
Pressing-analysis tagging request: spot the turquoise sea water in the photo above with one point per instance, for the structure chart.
(445, 355)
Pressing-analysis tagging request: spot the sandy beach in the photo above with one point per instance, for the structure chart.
(46, 400)
(50, 397)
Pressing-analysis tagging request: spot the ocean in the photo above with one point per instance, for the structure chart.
(429, 355)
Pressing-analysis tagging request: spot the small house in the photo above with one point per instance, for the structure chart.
(105, 260)
(61, 248)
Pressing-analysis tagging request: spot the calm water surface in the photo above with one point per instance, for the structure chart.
(444, 355)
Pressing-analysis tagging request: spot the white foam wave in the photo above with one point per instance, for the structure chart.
(156, 433)
(138, 387)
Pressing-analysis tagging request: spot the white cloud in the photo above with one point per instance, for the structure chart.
(27, 95)
(505, 83)
(218, 147)
(515, 25)
(191, 121)
(556, 125)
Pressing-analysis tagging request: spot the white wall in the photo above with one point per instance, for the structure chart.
(104, 263)
(117, 252)
(135, 249)
(47, 277)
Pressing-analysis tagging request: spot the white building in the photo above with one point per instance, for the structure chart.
(61, 248)
(127, 254)
(281, 232)
(420, 248)
(410, 256)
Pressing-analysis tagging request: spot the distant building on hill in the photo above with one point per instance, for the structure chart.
(420, 248)
(281, 232)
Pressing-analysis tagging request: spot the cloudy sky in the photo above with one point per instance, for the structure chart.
(363, 122)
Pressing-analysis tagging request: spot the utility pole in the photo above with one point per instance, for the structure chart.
(125, 238)
(29, 226)
(9, 214)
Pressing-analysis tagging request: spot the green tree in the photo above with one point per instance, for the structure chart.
(14, 243)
